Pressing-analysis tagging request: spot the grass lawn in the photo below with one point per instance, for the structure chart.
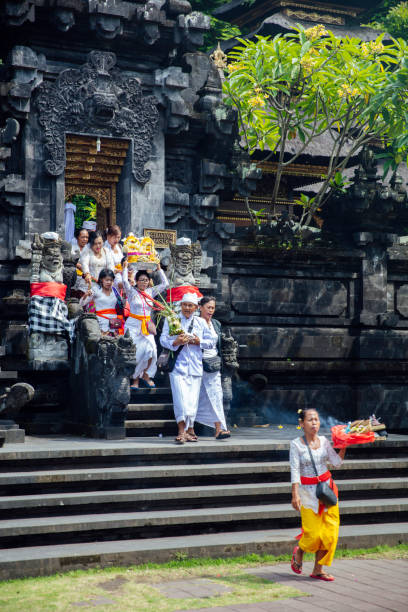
(137, 588)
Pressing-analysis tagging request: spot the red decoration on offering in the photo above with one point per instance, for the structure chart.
(341, 439)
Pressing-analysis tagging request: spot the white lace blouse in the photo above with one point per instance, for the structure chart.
(211, 352)
(92, 264)
(137, 303)
(301, 465)
(102, 302)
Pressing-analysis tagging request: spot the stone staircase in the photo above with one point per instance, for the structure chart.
(150, 412)
(73, 503)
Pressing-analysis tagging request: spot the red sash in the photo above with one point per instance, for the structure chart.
(176, 294)
(112, 311)
(50, 289)
(309, 480)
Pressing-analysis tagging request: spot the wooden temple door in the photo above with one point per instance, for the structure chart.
(93, 169)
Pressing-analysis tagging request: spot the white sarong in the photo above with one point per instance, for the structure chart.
(210, 406)
(145, 350)
(185, 391)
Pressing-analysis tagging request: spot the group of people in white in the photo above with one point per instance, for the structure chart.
(197, 394)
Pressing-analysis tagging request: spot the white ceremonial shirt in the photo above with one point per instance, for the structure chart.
(190, 359)
(301, 465)
(117, 254)
(137, 302)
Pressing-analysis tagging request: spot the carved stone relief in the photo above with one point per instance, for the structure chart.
(97, 98)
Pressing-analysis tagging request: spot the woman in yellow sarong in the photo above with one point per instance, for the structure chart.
(320, 525)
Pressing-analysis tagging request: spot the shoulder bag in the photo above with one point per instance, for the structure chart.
(212, 364)
(324, 493)
(120, 303)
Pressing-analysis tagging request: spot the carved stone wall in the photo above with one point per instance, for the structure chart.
(327, 328)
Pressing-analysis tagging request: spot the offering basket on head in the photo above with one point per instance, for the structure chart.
(140, 253)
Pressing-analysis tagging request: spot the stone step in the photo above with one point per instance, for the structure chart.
(47, 560)
(150, 427)
(162, 523)
(150, 395)
(74, 502)
(247, 444)
(277, 470)
(159, 410)
(6, 375)
(150, 423)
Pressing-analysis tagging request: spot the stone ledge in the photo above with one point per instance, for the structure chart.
(46, 560)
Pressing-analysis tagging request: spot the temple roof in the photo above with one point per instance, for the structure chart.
(267, 18)
(240, 12)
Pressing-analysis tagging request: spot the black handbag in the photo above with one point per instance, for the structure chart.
(324, 492)
(212, 364)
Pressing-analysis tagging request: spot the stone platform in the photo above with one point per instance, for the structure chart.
(69, 502)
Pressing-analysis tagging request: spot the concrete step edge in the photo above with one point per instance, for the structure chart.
(194, 492)
(47, 560)
(163, 471)
(90, 522)
(150, 423)
(146, 448)
(153, 407)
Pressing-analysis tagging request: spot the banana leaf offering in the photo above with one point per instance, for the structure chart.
(362, 431)
(165, 310)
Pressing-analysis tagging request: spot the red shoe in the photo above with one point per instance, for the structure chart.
(325, 577)
(295, 566)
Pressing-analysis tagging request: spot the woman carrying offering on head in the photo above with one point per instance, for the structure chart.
(210, 406)
(105, 298)
(185, 378)
(94, 259)
(141, 328)
(320, 525)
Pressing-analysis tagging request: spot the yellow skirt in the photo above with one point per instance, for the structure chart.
(320, 532)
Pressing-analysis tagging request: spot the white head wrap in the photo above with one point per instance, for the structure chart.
(89, 225)
(192, 298)
(50, 236)
(183, 241)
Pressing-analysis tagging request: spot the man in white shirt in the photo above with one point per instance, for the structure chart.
(185, 378)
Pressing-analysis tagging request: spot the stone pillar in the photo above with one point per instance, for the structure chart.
(374, 311)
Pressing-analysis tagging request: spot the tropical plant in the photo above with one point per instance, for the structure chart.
(85, 209)
(308, 84)
(392, 17)
(220, 30)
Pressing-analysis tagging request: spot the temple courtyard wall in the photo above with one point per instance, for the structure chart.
(323, 327)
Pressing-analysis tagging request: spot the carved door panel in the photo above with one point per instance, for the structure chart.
(103, 217)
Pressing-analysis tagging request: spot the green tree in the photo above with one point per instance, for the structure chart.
(392, 18)
(311, 83)
(220, 30)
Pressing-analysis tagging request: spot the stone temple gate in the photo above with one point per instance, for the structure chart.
(113, 100)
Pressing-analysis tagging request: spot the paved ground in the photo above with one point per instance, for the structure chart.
(363, 585)
(252, 435)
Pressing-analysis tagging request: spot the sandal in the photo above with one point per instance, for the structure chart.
(147, 383)
(191, 437)
(322, 576)
(180, 439)
(295, 566)
(222, 435)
